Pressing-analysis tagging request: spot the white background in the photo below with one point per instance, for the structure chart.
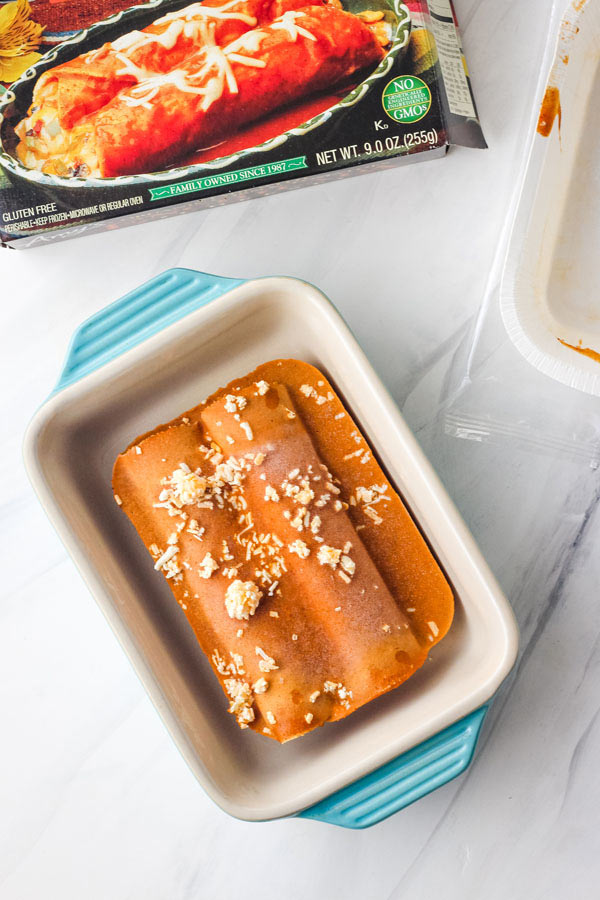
(95, 801)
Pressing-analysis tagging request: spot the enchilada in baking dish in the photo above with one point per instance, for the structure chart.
(148, 99)
(302, 574)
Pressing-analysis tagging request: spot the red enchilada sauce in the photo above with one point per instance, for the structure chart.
(268, 128)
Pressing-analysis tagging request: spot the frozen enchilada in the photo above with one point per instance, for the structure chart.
(154, 120)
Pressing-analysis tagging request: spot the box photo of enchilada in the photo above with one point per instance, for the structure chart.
(163, 85)
(187, 105)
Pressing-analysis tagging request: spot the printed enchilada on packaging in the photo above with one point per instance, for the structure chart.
(167, 106)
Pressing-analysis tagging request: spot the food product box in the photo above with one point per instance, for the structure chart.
(168, 106)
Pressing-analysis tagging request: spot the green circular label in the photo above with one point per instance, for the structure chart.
(406, 98)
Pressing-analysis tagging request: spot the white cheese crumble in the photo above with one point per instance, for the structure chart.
(305, 495)
(300, 548)
(339, 690)
(370, 512)
(241, 697)
(348, 565)
(238, 663)
(328, 556)
(309, 717)
(207, 566)
(187, 487)
(233, 403)
(235, 667)
(309, 391)
(364, 495)
(266, 663)
(242, 599)
(169, 553)
(262, 387)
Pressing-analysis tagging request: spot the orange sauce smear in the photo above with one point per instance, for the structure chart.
(549, 110)
(585, 351)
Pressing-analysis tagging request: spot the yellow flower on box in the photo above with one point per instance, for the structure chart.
(20, 37)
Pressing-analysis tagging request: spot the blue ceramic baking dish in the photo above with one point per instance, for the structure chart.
(161, 349)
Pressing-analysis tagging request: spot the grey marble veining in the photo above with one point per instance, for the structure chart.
(95, 800)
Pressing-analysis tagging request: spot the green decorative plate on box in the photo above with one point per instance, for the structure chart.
(15, 102)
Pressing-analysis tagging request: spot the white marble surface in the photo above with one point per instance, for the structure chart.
(95, 800)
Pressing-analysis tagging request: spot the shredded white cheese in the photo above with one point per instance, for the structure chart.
(260, 685)
(247, 430)
(300, 548)
(169, 553)
(328, 556)
(207, 566)
(242, 599)
(240, 694)
(266, 663)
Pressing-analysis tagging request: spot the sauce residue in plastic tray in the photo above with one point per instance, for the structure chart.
(585, 351)
(549, 110)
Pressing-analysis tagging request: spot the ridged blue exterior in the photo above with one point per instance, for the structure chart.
(138, 315)
(403, 780)
(125, 324)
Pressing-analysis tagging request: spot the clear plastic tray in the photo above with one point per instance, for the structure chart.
(550, 293)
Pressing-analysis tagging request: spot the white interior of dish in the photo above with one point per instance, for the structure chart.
(551, 284)
(70, 449)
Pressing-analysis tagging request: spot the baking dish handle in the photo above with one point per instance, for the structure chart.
(137, 316)
(405, 779)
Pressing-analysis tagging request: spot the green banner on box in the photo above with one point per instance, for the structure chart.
(226, 178)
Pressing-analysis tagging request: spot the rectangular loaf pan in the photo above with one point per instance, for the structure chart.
(141, 361)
